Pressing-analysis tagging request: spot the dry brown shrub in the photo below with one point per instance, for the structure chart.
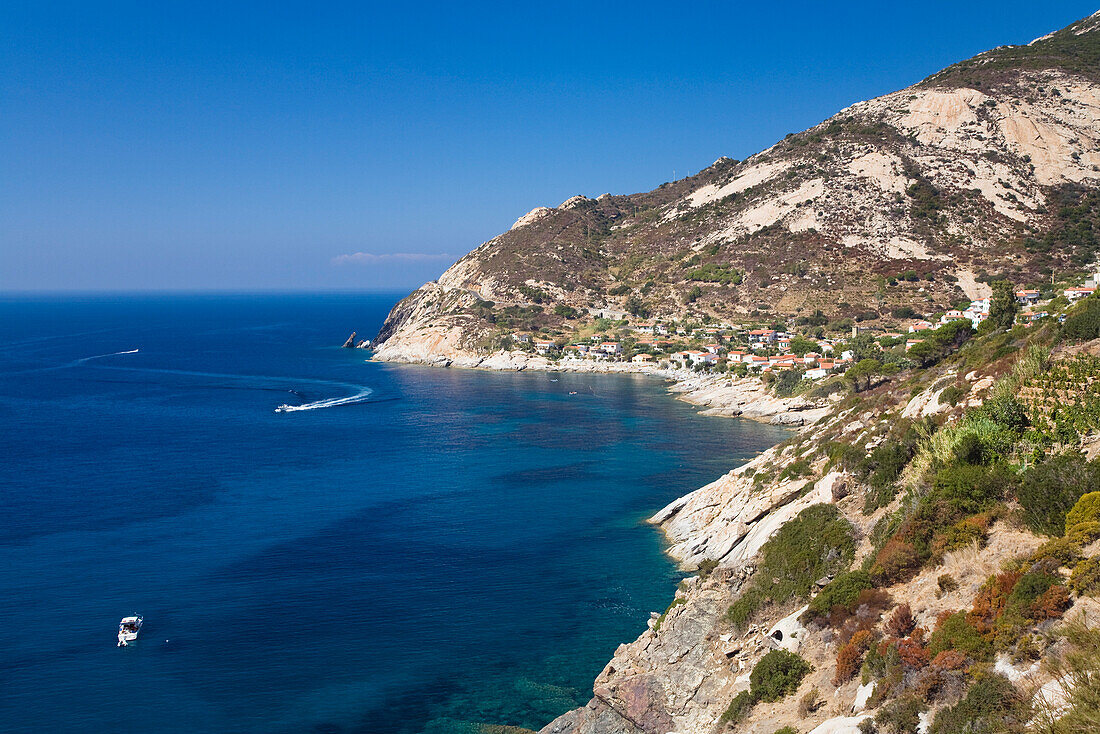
(901, 622)
(913, 651)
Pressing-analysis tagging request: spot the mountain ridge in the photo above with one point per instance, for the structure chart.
(943, 178)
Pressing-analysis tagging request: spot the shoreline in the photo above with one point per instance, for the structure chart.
(717, 395)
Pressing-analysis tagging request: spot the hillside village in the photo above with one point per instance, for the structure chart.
(808, 350)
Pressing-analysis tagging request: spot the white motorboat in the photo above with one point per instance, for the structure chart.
(128, 629)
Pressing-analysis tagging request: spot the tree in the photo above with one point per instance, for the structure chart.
(860, 374)
(1003, 307)
(637, 307)
(800, 345)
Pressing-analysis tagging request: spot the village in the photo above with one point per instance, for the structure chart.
(814, 347)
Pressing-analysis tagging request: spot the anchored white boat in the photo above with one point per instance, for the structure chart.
(128, 629)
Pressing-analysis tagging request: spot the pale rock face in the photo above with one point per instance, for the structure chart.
(753, 177)
(840, 725)
(925, 403)
(573, 201)
(749, 398)
(788, 632)
(863, 695)
(729, 520)
(532, 216)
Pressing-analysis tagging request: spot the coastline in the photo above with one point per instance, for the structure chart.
(717, 395)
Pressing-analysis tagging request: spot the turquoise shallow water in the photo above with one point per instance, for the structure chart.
(437, 547)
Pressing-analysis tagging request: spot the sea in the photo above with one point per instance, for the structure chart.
(317, 542)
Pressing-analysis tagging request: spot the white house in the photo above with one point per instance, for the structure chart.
(1027, 297)
(1074, 294)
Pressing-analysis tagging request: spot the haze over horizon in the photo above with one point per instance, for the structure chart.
(308, 147)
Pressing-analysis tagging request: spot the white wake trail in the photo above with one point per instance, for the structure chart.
(101, 356)
(358, 397)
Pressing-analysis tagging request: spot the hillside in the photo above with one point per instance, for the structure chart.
(989, 168)
(923, 555)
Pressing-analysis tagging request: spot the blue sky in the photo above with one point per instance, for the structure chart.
(245, 146)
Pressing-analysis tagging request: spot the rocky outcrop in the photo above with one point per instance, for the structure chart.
(350, 342)
(748, 397)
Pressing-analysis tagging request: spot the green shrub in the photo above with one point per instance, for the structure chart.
(778, 674)
(814, 544)
(714, 273)
(969, 489)
(1062, 551)
(952, 394)
(881, 469)
(798, 468)
(1083, 322)
(940, 342)
(1087, 509)
(964, 533)
(786, 730)
(841, 591)
(677, 602)
(1085, 579)
(946, 583)
(900, 716)
(956, 633)
(992, 705)
(739, 708)
(706, 567)
(1049, 490)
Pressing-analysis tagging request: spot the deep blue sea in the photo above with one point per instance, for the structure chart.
(434, 547)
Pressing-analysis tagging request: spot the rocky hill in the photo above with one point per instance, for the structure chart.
(988, 168)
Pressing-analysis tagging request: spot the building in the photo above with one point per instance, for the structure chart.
(1074, 294)
(642, 358)
(1027, 297)
(763, 336)
(919, 326)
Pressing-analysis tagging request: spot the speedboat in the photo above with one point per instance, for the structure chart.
(128, 629)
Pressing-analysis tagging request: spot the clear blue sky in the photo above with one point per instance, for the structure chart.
(248, 146)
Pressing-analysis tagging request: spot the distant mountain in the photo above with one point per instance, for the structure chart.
(988, 168)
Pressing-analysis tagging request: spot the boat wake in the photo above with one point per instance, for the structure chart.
(101, 356)
(359, 393)
(358, 397)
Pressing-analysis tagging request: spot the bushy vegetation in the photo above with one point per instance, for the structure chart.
(1083, 321)
(992, 705)
(777, 675)
(900, 716)
(1075, 669)
(842, 591)
(715, 273)
(739, 708)
(938, 343)
(1048, 490)
(815, 543)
